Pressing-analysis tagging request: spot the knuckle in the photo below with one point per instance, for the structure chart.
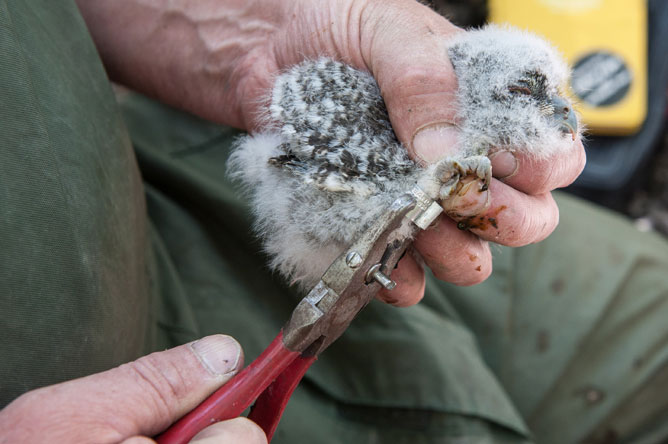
(160, 385)
(405, 86)
(467, 267)
(520, 232)
(545, 176)
(547, 181)
(541, 175)
(550, 220)
(413, 75)
(532, 226)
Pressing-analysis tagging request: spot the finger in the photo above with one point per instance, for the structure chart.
(454, 255)
(534, 175)
(513, 218)
(418, 82)
(238, 430)
(139, 398)
(157, 389)
(410, 280)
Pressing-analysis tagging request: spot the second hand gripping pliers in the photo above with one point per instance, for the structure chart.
(347, 286)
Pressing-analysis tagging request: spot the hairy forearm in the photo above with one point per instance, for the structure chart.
(203, 56)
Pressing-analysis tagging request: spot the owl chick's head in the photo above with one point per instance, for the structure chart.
(511, 87)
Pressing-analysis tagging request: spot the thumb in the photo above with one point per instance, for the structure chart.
(160, 388)
(142, 397)
(419, 86)
(411, 65)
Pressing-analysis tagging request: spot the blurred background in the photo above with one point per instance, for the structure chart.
(619, 53)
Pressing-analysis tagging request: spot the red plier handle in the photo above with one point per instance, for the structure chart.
(270, 379)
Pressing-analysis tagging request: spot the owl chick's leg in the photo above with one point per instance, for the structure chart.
(451, 170)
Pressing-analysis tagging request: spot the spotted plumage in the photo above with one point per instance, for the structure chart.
(333, 121)
(329, 162)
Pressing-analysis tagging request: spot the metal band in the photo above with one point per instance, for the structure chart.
(426, 209)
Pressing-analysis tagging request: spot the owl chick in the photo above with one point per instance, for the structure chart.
(330, 163)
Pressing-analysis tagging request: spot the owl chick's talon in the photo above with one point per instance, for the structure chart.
(449, 172)
(453, 170)
(484, 172)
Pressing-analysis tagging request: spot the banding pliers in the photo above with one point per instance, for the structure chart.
(347, 286)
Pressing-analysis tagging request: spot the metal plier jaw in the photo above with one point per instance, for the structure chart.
(354, 278)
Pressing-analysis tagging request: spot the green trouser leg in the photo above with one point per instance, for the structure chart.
(74, 287)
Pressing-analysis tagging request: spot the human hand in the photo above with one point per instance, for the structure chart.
(403, 45)
(134, 401)
(219, 60)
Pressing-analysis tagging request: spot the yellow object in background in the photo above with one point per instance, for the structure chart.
(605, 42)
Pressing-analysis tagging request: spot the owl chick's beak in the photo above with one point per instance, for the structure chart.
(565, 116)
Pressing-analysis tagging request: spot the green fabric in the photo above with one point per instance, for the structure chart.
(567, 339)
(72, 214)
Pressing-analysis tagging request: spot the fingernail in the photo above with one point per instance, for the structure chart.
(468, 200)
(219, 354)
(504, 164)
(434, 142)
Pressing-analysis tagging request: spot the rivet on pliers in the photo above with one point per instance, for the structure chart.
(375, 274)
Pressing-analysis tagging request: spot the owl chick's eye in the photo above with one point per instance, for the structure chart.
(531, 84)
(519, 89)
